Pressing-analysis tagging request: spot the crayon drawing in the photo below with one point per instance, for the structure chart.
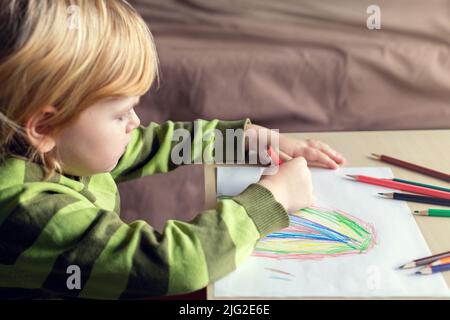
(316, 233)
(329, 253)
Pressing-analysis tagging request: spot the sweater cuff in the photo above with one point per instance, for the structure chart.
(267, 213)
(237, 140)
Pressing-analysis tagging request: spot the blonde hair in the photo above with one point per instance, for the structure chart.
(69, 54)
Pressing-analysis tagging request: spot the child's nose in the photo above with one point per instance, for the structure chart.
(133, 123)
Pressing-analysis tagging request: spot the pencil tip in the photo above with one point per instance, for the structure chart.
(424, 271)
(386, 194)
(352, 176)
(375, 156)
(408, 265)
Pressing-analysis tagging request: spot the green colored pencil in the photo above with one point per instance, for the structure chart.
(433, 213)
(421, 184)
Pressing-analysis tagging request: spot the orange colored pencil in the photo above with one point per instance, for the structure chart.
(440, 261)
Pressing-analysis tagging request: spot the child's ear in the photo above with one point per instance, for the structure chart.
(38, 132)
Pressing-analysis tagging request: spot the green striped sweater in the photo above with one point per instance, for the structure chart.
(46, 226)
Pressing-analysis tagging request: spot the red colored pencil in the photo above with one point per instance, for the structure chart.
(402, 186)
(413, 167)
(274, 156)
(278, 159)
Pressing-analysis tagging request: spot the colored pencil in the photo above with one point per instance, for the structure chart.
(433, 213)
(278, 157)
(421, 184)
(415, 198)
(434, 269)
(425, 261)
(440, 261)
(274, 156)
(413, 167)
(401, 186)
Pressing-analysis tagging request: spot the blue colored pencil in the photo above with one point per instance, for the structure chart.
(434, 269)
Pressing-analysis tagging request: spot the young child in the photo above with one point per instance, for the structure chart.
(70, 74)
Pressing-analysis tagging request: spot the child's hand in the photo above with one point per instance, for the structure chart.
(315, 152)
(291, 185)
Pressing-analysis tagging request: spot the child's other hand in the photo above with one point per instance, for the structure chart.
(316, 153)
(291, 185)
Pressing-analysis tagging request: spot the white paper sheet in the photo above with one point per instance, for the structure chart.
(370, 274)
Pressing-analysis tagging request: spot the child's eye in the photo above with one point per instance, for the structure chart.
(125, 116)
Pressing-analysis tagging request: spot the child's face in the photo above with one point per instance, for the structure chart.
(97, 139)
